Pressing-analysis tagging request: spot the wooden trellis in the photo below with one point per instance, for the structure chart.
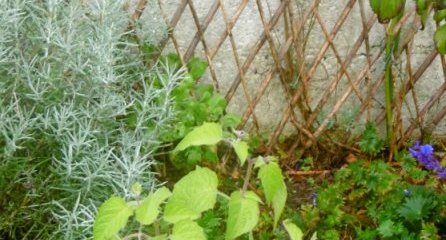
(299, 112)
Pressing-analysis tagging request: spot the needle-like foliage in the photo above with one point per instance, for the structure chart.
(69, 75)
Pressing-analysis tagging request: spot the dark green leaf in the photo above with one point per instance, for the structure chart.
(440, 39)
(421, 6)
(389, 9)
(440, 15)
(375, 5)
(415, 208)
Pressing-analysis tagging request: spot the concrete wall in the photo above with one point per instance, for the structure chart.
(248, 29)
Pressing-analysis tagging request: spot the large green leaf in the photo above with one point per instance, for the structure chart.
(187, 230)
(148, 211)
(440, 39)
(206, 134)
(243, 214)
(194, 193)
(274, 187)
(241, 149)
(112, 217)
(294, 231)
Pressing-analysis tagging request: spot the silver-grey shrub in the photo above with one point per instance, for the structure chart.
(70, 77)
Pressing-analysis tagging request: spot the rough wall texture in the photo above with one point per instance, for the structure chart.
(249, 27)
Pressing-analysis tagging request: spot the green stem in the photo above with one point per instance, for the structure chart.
(391, 44)
(223, 195)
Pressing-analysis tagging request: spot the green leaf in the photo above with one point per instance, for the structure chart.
(230, 120)
(149, 50)
(440, 15)
(206, 134)
(197, 67)
(148, 211)
(241, 149)
(159, 237)
(112, 217)
(389, 9)
(374, 4)
(370, 142)
(243, 214)
(274, 187)
(294, 231)
(314, 236)
(386, 229)
(415, 208)
(172, 60)
(421, 6)
(440, 39)
(187, 230)
(194, 193)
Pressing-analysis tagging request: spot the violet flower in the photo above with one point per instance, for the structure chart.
(314, 199)
(424, 155)
(441, 173)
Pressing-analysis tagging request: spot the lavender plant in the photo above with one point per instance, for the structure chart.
(66, 77)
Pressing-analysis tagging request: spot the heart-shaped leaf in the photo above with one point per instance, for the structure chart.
(274, 187)
(241, 149)
(193, 194)
(112, 217)
(243, 214)
(148, 211)
(206, 134)
(293, 231)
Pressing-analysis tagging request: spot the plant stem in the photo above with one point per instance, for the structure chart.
(391, 44)
(223, 195)
(248, 175)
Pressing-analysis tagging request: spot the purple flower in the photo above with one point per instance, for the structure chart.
(424, 155)
(426, 149)
(407, 192)
(314, 199)
(441, 173)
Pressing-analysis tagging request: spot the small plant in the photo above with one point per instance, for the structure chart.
(370, 200)
(391, 12)
(194, 103)
(370, 142)
(195, 194)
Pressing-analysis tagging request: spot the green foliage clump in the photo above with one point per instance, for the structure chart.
(194, 104)
(372, 200)
(370, 142)
(68, 77)
(187, 211)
